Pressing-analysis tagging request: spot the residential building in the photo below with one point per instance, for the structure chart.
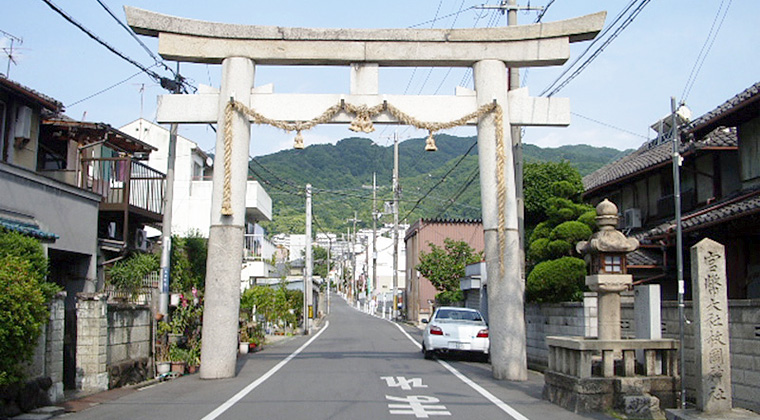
(424, 232)
(191, 203)
(78, 186)
(720, 195)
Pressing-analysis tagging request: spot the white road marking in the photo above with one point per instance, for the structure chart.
(405, 384)
(482, 391)
(245, 391)
(421, 406)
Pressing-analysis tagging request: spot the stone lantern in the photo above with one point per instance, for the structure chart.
(605, 253)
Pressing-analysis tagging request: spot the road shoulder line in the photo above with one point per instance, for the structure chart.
(479, 389)
(253, 385)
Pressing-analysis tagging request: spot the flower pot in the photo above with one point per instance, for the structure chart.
(244, 348)
(178, 367)
(163, 367)
(251, 347)
(192, 368)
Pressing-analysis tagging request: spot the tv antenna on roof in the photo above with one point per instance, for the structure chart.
(8, 50)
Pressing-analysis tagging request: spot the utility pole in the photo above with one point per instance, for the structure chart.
(308, 304)
(353, 256)
(394, 313)
(679, 241)
(374, 233)
(329, 246)
(166, 223)
(517, 150)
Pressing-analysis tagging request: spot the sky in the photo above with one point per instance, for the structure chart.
(613, 101)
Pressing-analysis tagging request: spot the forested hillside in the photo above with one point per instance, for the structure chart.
(433, 184)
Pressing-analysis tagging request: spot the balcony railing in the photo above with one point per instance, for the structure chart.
(124, 182)
(257, 247)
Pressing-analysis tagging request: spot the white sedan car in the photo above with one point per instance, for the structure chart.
(455, 329)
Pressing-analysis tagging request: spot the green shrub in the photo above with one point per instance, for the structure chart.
(559, 248)
(449, 297)
(542, 230)
(589, 219)
(23, 312)
(559, 280)
(571, 232)
(127, 275)
(539, 250)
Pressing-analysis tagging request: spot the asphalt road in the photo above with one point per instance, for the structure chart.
(355, 366)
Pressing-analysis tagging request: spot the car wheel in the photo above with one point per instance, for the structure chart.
(427, 353)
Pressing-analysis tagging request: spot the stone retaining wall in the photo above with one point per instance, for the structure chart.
(129, 343)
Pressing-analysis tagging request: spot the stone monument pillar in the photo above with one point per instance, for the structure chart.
(605, 252)
(710, 300)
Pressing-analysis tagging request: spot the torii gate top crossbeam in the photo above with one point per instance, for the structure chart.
(189, 40)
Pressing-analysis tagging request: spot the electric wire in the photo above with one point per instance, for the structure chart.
(443, 178)
(474, 175)
(628, 20)
(155, 58)
(97, 39)
(107, 89)
(609, 125)
(711, 36)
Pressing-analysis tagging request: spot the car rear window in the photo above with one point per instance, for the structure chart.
(456, 315)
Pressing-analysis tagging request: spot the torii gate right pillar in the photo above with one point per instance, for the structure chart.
(505, 289)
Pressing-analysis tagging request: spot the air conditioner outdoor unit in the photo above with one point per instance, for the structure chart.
(141, 240)
(632, 218)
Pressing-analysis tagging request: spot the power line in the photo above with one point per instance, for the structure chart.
(700, 57)
(132, 34)
(107, 89)
(166, 83)
(443, 178)
(609, 125)
(456, 196)
(628, 20)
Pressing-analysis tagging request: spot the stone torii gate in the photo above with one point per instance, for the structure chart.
(489, 51)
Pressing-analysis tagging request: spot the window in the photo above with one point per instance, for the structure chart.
(613, 264)
(3, 151)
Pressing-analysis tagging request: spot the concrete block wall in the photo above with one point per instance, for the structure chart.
(92, 341)
(47, 361)
(549, 319)
(129, 333)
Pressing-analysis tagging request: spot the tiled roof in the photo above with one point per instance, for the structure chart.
(739, 101)
(647, 157)
(644, 257)
(43, 100)
(743, 205)
(27, 228)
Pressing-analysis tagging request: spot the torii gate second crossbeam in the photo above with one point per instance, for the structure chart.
(488, 51)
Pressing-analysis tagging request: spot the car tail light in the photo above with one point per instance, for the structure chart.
(436, 330)
(483, 333)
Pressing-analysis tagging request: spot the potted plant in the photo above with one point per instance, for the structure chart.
(179, 357)
(244, 341)
(163, 363)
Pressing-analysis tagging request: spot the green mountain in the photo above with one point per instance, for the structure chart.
(444, 183)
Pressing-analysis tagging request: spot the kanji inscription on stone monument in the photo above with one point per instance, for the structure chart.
(710, 297)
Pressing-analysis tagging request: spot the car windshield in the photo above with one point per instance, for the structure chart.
(457, 315)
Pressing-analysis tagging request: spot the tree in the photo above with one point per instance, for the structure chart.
(547, 180)
(557, 220)
(444, 266)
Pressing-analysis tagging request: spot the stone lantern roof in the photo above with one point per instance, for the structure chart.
(607, 239)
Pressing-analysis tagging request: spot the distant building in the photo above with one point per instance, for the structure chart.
(420, 292)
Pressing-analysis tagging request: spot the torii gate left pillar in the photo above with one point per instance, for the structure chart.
(488, 51)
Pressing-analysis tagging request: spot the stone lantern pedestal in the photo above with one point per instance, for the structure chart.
(608, 288)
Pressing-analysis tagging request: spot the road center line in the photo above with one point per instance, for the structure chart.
(245, 391)
(482, 391)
